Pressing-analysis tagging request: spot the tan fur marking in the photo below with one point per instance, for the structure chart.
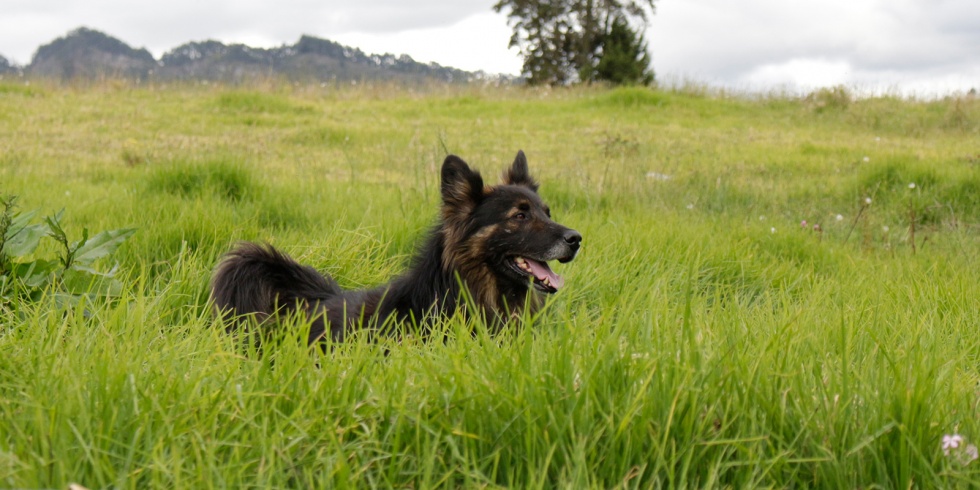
(517, 209)
(466, 257)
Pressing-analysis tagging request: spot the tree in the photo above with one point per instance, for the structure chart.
(624, 58)
(564, 41)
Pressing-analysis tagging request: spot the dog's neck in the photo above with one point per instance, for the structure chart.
(443, 272)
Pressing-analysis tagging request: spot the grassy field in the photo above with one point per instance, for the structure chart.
(705, 336)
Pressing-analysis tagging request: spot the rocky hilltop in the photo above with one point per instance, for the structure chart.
(86, 53)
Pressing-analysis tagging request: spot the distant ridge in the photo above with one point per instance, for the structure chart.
(7, 67)
(86, 53)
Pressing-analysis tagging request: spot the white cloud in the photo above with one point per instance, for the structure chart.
(805, 43)
(799, 73)
(475, 43)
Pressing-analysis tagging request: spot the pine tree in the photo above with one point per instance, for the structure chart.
(624, 58)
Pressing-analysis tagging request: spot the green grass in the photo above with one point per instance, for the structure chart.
(704, 338)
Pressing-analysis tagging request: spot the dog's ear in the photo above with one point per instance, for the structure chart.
(462, 188)
(518, 174)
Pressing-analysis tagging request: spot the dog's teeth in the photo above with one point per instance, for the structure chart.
(522, 264)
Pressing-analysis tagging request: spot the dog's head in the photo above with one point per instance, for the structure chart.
(504, 231)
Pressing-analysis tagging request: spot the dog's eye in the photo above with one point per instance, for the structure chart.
(520, 216)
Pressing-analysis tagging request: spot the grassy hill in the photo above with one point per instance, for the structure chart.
(705, 337)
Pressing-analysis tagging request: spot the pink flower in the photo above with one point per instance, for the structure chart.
(951, 442)
(954, 446)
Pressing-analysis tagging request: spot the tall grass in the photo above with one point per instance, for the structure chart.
(704, 338)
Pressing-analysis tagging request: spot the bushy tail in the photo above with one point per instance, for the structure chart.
(261, 281)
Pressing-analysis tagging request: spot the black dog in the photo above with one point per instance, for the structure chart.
(493, 242)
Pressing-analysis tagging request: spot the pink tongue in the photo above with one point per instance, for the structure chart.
(542, 271)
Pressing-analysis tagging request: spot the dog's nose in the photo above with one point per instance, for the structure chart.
(572, 237)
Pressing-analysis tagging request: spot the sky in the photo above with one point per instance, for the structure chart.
(917, 47)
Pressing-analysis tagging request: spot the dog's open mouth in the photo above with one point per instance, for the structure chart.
(544, 279)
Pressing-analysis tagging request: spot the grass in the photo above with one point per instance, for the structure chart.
(704, 337)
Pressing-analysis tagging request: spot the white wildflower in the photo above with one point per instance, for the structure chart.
(951, 442)
(971, 454)
(955, 447)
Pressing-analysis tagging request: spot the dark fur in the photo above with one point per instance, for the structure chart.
(481, 231)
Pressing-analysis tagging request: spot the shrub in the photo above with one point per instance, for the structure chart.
(70, 275)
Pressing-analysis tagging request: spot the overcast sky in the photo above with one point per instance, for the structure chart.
(917, 46)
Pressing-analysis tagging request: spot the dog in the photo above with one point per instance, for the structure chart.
(490, 249)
